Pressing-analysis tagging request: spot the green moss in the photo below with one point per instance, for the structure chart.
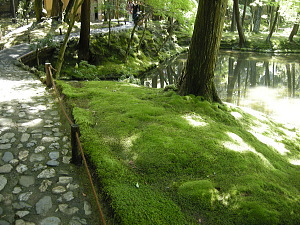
(190, 155)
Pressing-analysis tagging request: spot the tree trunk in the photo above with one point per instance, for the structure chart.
(233, 19)
(38, 8)
(242, 38)
(84, 41)
(257, 19)
(198, 76)
(68, 10)
(61, 54)
(13, 11)
(294, 32)
(273, 25)
(244, 12)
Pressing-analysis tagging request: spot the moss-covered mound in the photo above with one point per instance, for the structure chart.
(166, 159)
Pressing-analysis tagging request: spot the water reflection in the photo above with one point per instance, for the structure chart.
(265, 82)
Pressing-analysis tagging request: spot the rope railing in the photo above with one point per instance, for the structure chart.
(75, 140)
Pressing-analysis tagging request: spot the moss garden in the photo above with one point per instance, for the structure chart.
(161, 158)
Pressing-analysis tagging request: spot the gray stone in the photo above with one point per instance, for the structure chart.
(36, 158)
(21, 214)
(17, 190)
(45, 184)
(22, 222)
(6, 138)
(43, 205)
(31, 144)
(6, 168)
(54, 155)
(87, 208)
(25, 137)
(65, 180)
(3, 182)
(21, 168)
(52, 163)
(49, 139)
(14, 162)
(58, 190)
(54, 146)
(8, 156)
(3, 222)
(26, 181)
(23, 155)
(25, 196)
(77, 221)
(47, 173)
(39, 149)
(64, 208)
(67, 159)
(5, 146)
(21, 205)
(51, 221)
(68, 196)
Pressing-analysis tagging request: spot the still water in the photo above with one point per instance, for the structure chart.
(269, 83)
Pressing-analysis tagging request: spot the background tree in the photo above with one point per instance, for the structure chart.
(38, 8)
(242, 38)
(198, 77)
(84, 41)
(268, 39)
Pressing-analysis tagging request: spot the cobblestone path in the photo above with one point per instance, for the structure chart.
(38, 185)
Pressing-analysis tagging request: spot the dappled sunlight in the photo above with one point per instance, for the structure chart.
(195, 120)
(127, 144)
(295, 162)
(237, 144)
(278, 146)
(7, 92)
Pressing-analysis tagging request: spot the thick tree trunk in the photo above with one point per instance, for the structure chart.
(198, 76)
(38, 8)
(257, 19)
(294, 32)
(273, 25)
(242, 38)
(244, 12)
(84, 42)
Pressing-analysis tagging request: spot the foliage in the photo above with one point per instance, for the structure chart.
(24, 9)
(173, 159)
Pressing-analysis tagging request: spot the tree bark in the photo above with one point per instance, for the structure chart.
(38, 8)
(244, 12)
(198, 76)
(257, 19)
(242, 38)
(294, 32)
(84, 41)
(273, 25)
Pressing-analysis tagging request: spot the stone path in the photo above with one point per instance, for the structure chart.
(38, 185)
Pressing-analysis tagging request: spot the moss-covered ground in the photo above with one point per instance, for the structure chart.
(162, 158)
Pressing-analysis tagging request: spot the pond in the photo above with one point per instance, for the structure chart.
(269, 83)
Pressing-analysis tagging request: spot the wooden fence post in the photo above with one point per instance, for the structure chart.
(76, 156)
(48, 75)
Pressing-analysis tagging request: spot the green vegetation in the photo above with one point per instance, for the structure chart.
(167, 159)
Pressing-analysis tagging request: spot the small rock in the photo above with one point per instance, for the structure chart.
(47, 173)
(3, 182)
(87, 208)
(54, 155)
(25, 137)
(65, 180)
(23, 155)
(58, 190)
(45, 184)
(3, 222)
(14, 162)
(21, 168)
(43, 205)
(22, 222)
(5, 168)
(17, 190)
(51, 221)
(36, 158)
(26, 181)
(52, 163)
(64, 208)
(67, 159)
(39, 149)
(69, 196)
(21, 205)
(5, 146)
(21, 214)
(25, 196)
(8, 156)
